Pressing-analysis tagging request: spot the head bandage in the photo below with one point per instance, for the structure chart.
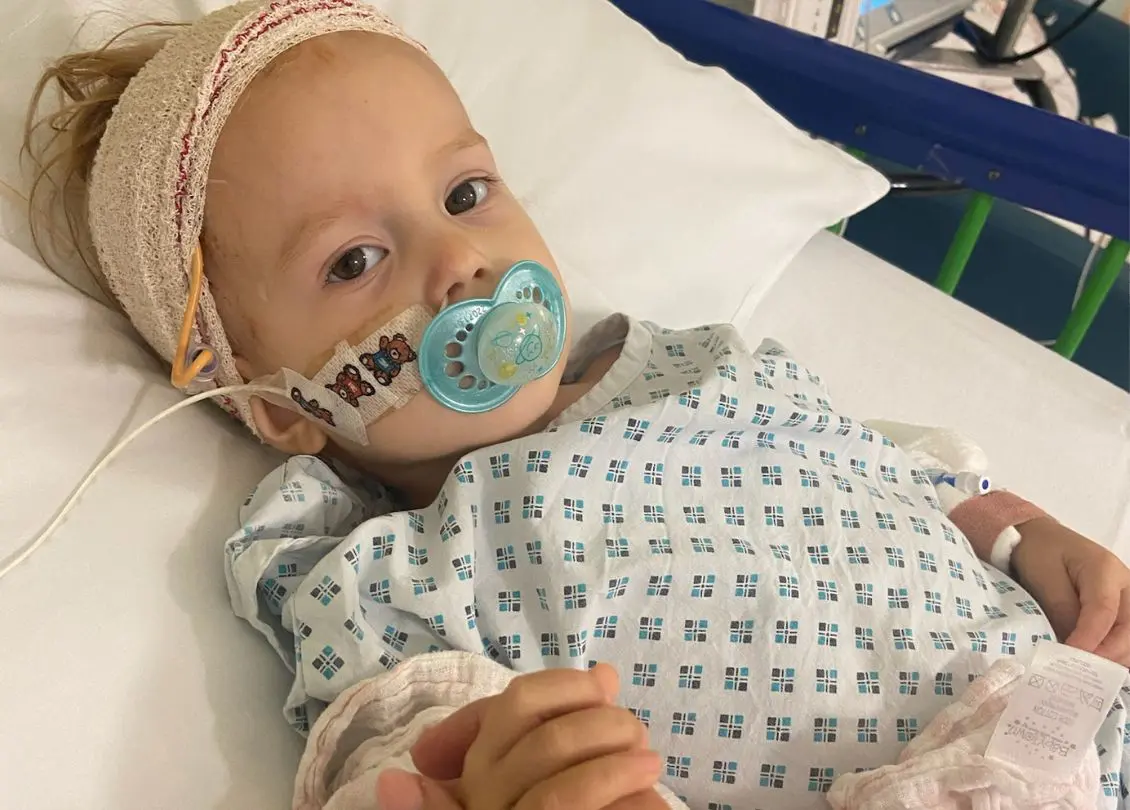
(148, 184)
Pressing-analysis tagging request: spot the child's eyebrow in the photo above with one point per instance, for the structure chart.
(468, 139)
(298, 237)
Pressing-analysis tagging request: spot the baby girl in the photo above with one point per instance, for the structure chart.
(293, 208)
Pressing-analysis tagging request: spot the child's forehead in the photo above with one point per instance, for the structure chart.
(381, 61)
(348, 90)
(341, 124)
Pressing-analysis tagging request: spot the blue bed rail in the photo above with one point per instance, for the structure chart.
(1008, 150)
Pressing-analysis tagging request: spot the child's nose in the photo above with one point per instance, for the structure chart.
(459, 271)
(477, 284)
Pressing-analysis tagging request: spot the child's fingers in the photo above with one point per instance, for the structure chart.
(1099, 595)
(440, 751)
(644, 800)
(400, 790)
(564, 742)
(528, 702)
(608, 679)
(596, 784)
(436, 797)
(1116, 645)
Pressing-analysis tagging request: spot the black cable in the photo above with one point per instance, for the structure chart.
(920, 185)
(1080, 18)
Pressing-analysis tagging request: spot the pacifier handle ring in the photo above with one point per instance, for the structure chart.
(184, 370)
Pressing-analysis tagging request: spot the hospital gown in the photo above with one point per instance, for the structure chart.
(775, 582)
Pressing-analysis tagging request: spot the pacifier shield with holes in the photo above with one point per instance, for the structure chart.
(476, 354)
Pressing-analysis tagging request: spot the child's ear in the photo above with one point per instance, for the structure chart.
(287, 431)
(281, 428)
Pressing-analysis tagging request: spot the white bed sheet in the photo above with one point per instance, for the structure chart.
(890, 346)
(172, 703)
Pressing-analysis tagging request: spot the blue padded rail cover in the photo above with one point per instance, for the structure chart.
(1009, 150)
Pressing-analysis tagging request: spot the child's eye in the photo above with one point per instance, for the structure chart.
(466, 196)
(354, 263)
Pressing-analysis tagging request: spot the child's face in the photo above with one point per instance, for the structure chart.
(348, 185)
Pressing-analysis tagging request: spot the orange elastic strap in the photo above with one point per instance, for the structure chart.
(184, 371)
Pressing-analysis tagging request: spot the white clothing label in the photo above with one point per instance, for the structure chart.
(1057, 708)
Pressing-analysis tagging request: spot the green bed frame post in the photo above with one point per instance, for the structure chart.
(1105, 273)
(977, 210)
(961, 248)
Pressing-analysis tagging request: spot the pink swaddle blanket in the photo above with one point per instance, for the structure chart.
(945, 768)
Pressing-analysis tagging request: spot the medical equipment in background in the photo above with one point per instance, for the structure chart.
(907, 30)
(957, 136)
(875, 26)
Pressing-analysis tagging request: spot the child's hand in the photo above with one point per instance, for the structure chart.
(551, 739)
(1083, 588)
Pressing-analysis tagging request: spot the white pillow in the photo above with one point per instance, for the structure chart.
(663, 188)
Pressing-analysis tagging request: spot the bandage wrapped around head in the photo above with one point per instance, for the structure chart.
(146, 210)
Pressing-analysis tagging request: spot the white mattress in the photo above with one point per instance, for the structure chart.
(171, 703)
(893, 347)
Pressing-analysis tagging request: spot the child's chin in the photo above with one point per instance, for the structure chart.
(424, 430)
(523, 414)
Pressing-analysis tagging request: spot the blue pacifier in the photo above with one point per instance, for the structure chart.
(476, 354)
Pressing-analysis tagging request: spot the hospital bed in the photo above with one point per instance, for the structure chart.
(125, 681)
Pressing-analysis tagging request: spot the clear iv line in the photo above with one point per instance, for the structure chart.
(69, 505)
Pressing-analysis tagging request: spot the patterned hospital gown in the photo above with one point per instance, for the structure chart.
(775, 582)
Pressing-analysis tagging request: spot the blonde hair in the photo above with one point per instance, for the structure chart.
(61, 143)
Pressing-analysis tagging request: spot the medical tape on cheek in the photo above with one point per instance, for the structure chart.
(361, 383)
